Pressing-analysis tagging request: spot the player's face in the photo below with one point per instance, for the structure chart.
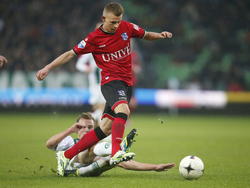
(111, 22)
(86, 126)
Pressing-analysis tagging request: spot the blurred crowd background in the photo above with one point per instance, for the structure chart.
(210, 49)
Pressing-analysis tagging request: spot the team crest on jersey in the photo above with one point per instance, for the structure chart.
(82, 44)
(121, 92)
(124, 36)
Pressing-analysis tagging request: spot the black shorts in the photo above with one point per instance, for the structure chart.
(115, 93)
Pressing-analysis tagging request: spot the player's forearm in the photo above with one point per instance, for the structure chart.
(53, 141)
(134, 165)
(65, 57)
(154, 35)
(151, 36)
(62, 59)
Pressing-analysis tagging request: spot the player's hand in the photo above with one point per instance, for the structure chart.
(3, 61)
(41, 74)
(162, 167)
(166, 34)
(75, 127)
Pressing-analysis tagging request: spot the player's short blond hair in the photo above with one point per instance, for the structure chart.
(114, 7)
(86, 115)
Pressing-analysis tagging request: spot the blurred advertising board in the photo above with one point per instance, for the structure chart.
(79, 96)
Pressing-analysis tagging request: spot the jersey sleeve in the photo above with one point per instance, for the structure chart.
(66, 143)
(85, 46)
(136, 31)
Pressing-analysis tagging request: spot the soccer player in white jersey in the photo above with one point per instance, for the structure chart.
(96, 160)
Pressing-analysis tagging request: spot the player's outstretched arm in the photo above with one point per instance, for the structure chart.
(3, 61)
(53, 141)
(62, 59)
(155, 36)
(134, 165)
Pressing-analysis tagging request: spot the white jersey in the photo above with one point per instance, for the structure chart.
(65, 144)
(86, 64)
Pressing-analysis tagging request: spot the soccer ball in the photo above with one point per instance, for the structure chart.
(191, 167)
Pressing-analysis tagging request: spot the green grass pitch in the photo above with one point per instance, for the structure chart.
(222, 142)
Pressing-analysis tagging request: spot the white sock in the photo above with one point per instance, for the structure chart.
(87, 169)
(94, 168)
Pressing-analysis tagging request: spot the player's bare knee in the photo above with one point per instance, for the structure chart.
(127, 112)
(106, 130)
(106, 126)
(122, 108)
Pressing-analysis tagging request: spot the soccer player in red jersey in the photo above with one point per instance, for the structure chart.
(110, 46)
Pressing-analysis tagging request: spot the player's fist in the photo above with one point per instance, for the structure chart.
(41, 74)
(3, 61)
(75, 128)
(166, 34)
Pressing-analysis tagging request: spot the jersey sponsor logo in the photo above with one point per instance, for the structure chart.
(115, 56)
(124, 36)
(82, 44)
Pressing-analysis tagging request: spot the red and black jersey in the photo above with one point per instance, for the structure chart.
(112, 51)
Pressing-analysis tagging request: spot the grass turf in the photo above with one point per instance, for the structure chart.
(222, 142)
